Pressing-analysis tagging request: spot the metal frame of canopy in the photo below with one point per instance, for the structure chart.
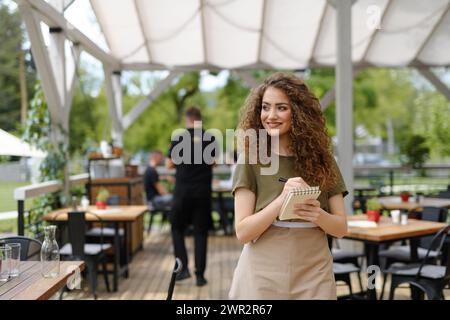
(52, 64)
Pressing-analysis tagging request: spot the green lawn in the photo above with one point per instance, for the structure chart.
(8, 226)
(7, 202)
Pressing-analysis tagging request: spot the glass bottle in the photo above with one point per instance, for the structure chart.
(50, 253)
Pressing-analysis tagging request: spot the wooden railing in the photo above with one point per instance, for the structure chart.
(25, 219)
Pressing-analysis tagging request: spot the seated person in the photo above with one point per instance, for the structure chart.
(231, 161)
(157, 196)
(227, 204)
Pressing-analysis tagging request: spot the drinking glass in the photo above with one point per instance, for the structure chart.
(5, 263)
(15, 259)
(395, 215)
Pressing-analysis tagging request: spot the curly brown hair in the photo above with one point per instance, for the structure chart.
(310, 142)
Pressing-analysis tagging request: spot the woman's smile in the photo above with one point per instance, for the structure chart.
(274, 125)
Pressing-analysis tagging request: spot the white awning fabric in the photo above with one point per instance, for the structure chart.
(12, 146)
(286, 34)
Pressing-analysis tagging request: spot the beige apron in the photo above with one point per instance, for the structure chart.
(285, 263)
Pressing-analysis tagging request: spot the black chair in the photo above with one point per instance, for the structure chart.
(348, 264)
(404, 253)
(342, 256)
(430, 279)
(444, 194)
(153, 210)
(77, 248)
(176, 270)
(107, 231)
(342, 272)
(30, 249)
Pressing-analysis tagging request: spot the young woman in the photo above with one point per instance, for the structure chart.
(287, 260)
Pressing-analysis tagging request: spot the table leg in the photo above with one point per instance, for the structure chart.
(372, 260)
(116, 257)
(126, 253)
(416, 293)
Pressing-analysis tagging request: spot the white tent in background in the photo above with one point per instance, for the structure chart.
(13, 146)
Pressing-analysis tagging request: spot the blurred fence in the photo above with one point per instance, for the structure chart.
(29, 221)
(394, 179)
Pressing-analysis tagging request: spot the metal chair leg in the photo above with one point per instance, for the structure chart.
(176, 269)
(394, 285)
(349, 283)
(92, 275)
(105, 274)
(150, 222)
(384, 286)
(61, 292)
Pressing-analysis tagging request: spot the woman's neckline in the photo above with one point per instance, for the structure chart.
(283, 155)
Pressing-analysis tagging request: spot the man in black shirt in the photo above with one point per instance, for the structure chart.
(192, 153)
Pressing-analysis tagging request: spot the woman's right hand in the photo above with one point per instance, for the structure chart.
(292, 183)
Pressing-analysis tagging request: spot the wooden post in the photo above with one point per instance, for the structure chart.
(23, 90)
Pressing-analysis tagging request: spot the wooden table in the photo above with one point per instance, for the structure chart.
(395, 203)
(116, 215)
(31, 285)
(386, 231)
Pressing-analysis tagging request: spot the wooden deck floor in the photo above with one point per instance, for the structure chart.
(150, 273)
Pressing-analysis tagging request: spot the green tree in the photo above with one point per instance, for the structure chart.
(431, 114)
(415, 151)
(152, 130)
(11, 39)
(89, 115)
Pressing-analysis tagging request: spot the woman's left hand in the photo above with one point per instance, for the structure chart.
(310, 211)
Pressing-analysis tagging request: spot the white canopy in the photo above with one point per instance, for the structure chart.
(12, 146)
(287, 34)
(182, 35)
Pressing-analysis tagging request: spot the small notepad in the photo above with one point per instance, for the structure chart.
(298, 195)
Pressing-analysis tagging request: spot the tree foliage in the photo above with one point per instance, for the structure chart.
(11, 39)
(415, 151)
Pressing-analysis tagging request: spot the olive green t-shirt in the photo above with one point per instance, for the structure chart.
(267, 187)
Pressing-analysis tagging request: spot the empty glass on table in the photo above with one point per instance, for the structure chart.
(5, 262)
(15, 259)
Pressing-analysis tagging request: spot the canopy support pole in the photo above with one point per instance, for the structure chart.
(330, 95)
(344, 96)
(162, 85)
(58, 81)
(114, 95)
(435, 81)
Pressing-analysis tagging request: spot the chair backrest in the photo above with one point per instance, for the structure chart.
(113, 200)
(176, 269)
(444, 194)
(77, 231)
(436, 243)
(30, 248)
(434, 214)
